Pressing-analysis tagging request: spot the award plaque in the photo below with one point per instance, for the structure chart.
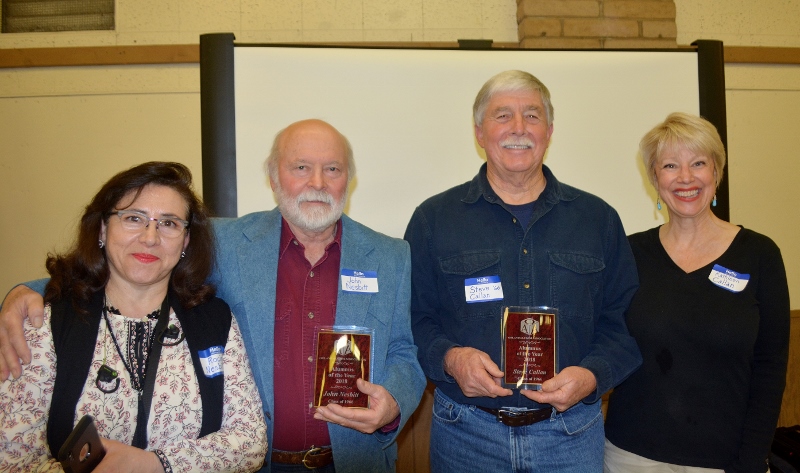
(343, 355)
(529, 355)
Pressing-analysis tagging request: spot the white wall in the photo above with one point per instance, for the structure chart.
(739, 22)
(56, 150)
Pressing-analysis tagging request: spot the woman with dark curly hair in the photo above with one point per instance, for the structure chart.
(134, 337)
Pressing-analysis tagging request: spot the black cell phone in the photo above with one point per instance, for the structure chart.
(83, 450)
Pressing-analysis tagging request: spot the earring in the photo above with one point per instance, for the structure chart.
(101, 244)
(714, 202)
(658, 203)
(183, 253)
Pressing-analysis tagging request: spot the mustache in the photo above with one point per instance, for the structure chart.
(312, 195)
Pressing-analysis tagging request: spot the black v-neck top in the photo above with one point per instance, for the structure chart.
(709, 391)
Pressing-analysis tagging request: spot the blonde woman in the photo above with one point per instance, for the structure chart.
(711, 318)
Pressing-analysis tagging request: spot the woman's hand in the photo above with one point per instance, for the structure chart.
(121, 458)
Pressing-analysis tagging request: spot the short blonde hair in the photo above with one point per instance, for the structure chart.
(682, 130)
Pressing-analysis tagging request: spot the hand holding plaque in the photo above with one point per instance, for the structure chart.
(529, 348)
(343, 355)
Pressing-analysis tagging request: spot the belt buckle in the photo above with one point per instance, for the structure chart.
(508, 413)
(515, 418)
(311, 451)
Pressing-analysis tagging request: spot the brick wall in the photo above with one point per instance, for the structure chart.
(597, 24)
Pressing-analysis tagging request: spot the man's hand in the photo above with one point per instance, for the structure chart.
(476, 374)
(121, 458)
(383, 409)
(565, 389)
(20, 303)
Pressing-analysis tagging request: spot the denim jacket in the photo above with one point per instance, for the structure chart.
(573, 256)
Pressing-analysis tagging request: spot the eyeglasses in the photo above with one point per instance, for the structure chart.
(169, 227)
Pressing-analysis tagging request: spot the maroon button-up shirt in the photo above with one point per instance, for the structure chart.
(305, 299)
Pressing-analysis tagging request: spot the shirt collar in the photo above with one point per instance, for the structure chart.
(288, 239)
(553, 192)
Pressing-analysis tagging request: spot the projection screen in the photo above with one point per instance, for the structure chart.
(408, 115)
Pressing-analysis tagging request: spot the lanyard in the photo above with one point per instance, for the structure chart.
(146, 394)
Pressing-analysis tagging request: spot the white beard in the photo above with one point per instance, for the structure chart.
(315, 219)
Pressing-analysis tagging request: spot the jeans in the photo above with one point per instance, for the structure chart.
(467, 439)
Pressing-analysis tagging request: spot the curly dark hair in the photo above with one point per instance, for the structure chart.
(83, 270)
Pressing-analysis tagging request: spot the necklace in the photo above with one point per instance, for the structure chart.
(151, 316)
(140, 337)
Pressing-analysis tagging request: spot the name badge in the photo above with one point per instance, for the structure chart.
(483, 289)
(728, 279)
(211, 360)
(359, 281)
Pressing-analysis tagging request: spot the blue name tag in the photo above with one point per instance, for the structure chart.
(728, 279)
(211, 360)
(365, 282)
(483, 289)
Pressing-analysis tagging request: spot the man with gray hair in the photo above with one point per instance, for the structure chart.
(521, 238)
(280, 272)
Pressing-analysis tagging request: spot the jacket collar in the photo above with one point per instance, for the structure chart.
(266, 228)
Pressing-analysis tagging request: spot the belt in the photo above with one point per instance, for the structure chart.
(518, 418)
(314, 457)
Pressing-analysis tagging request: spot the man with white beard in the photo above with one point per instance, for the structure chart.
(280, 273)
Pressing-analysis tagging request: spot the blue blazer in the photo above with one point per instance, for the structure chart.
(245, 276)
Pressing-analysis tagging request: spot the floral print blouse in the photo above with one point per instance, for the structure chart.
(175, 415)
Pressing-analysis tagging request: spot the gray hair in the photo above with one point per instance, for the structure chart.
(510, 81)
(271, 163)
(682, 130)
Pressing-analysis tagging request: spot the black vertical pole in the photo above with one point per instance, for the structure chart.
(711, 75)
(217, 122)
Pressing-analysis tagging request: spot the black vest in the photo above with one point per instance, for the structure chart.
(74, 338)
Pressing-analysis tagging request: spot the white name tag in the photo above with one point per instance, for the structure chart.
(484, 289)
(728, 279)
(211, 360)
(359, 281)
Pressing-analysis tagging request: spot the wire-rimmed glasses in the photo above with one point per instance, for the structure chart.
(169, 227)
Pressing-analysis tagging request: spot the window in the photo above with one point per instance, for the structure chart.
(24, 16)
